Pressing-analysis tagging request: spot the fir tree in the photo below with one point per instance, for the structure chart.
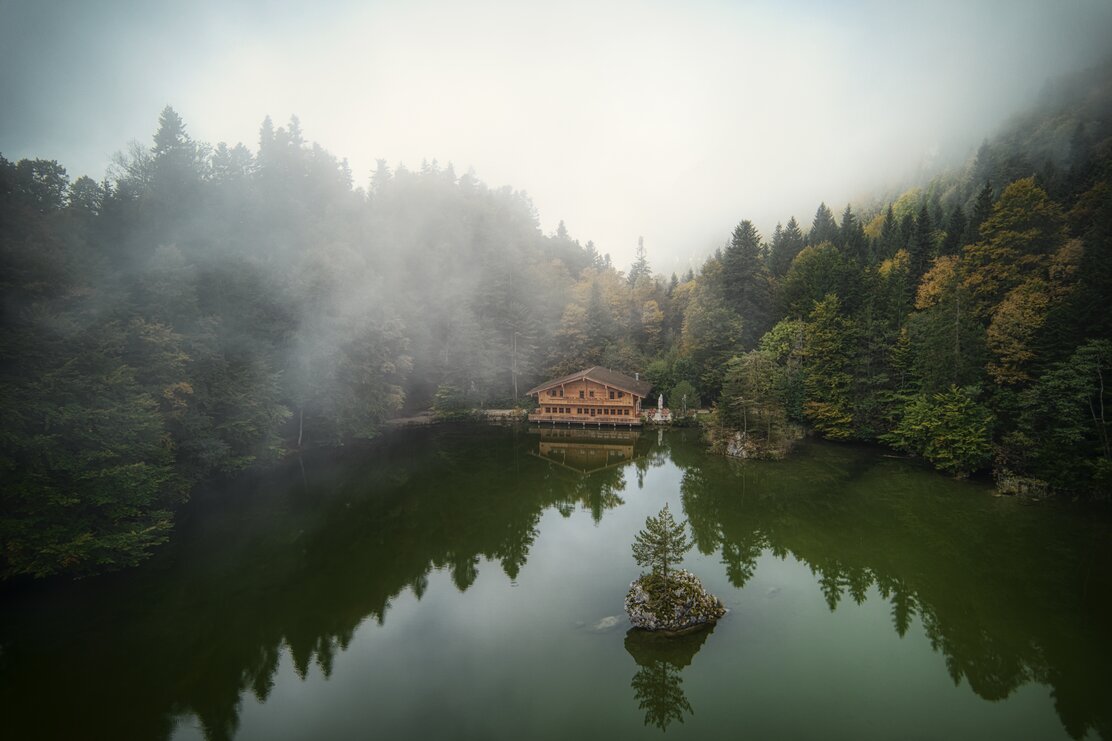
(746, 283)
(921, 247)
(786, 244)
(852, 237)
(823, 227)
(982, 209)
(956, 226)
(640, 268)
(662, 543)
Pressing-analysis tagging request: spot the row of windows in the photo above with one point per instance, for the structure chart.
(560, 393)
(593, 411)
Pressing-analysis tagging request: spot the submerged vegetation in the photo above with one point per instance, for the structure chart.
(206, 307)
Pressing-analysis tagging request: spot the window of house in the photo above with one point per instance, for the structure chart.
(592, 412)
(611, 394)
(592, 393)
(621, 394)
(580, 393)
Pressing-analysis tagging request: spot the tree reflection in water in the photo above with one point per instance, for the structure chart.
(1007, 593)
(658, 684)
(293, 563)
(294, 558)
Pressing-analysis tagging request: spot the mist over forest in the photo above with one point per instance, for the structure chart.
(208, 307)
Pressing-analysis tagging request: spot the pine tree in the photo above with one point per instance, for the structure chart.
(594, 260)
(831, 346)
(640, 268)
(661, 544)
(171, 134)
(746, 283)
(921, 247)
(982, 209)
(786, 244)
(851, 237)
(984, 166)
(955, 231)
(380, 179)
(823, 227)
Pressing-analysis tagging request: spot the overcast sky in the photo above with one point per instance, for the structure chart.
(672, 120)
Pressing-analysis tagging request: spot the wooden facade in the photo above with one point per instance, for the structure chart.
(595, 396)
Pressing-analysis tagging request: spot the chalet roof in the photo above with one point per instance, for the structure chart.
(598, 374)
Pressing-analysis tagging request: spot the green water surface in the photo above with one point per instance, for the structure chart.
(467, 582)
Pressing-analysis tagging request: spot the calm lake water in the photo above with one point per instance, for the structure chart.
(467, 582)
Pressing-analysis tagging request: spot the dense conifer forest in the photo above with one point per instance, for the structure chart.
(205, 308)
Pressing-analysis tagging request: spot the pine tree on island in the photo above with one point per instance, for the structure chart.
(668, 600)
(662, 542)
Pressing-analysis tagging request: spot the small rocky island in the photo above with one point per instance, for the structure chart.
(668, 601)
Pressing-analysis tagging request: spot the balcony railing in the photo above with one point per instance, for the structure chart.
(587, 419)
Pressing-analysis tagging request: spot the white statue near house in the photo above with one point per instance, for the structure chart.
(661, 415)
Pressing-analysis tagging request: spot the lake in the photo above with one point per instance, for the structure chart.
(467, 582)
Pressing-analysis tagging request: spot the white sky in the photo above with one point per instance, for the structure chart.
(672, 120)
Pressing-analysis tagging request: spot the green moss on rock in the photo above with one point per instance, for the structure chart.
(678, 604)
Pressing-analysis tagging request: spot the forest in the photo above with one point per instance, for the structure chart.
(206, 308)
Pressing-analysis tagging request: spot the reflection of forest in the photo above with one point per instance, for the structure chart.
(587, 466)
(297, 558)
(1009, 594)
(300, 561)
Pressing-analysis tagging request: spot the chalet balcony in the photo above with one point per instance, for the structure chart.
(587, 420)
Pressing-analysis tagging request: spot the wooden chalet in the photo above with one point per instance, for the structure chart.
(595, 396)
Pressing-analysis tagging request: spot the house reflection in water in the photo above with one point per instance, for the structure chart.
(585, 450)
